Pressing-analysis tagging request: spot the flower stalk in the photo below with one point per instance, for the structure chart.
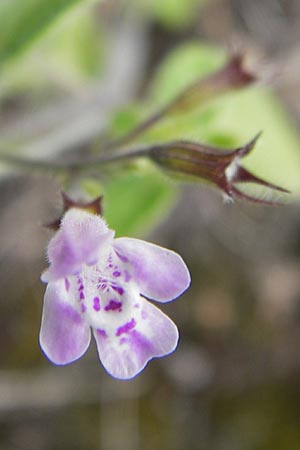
(219, 167)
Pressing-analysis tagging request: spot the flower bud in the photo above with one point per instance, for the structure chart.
(216, 166)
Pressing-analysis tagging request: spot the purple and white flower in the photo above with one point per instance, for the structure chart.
(101, 283)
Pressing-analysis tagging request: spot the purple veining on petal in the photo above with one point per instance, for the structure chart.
(64, 334)
(126, 327)
(116, 273)
(160, 274)
(122, 257)
(101, 332)
(141, 345)
(113, 305)
(67, 284)
(81, 295)
(96, 304)
(67, 312)
(118, 289)
(83, 308)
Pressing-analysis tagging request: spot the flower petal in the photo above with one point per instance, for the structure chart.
(82, 238)
(148, 334)
(64, 335)
(159, 273)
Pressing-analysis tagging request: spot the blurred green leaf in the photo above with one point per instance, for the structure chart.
(126, 119)
(234, 120)
(21, 21)
(135, 202)
(65, 57)
(230, 121)
(276, 156)
(75, 43)
(173, 13)
(184, 65)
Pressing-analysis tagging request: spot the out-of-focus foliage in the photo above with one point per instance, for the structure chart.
(184, 65)
(172, 13)
(66, 55)
(21, 21)
(136, 201)
(231, 120)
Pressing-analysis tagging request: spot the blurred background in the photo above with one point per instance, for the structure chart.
(76, 73)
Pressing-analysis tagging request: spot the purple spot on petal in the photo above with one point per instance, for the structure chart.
(118, 289)
(116, 273)
(83, 308)
(101, 332)
(67, 284)
(126, 328)
(136, 305)
(113, 305)
(96, 304)
(81, 296)
(81, 287)
(123, 340)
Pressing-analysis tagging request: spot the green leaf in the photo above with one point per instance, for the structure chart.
(135, 202)
(231, 120)
(173, 13)
(126, 119)
(234, 120)
(276, 156)
(68, 55)
(74, 44)
(183, 66)
(21, 21)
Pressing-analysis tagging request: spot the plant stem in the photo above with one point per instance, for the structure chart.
(66, 167)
